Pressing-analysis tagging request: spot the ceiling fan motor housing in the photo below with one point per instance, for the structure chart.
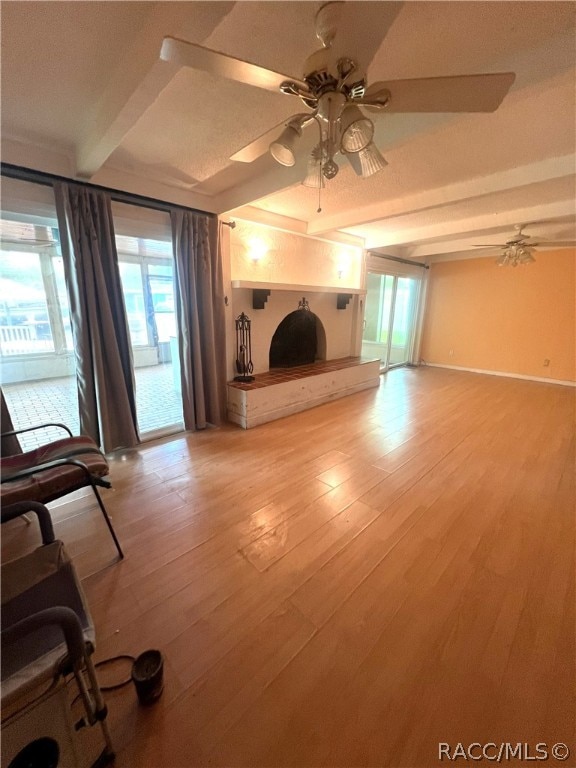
(324, 72)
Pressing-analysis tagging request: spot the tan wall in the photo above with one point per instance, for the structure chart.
(291, 258)
(502, 318)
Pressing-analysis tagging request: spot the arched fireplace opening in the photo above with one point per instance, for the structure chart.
(300, 339)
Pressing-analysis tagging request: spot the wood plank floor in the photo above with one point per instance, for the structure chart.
(348, 586)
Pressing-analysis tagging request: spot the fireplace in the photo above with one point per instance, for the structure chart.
(302, 356)
(299, 339)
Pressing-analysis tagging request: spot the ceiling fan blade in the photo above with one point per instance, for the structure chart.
(492, 245)
(552, 243)
(462, 93)
(360, 28)
(196, 56)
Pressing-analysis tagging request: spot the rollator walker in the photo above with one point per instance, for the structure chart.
(50, 692)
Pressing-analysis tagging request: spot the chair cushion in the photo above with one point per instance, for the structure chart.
(51, 484)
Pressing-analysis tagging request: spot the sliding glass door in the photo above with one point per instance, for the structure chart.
(37, 360)
(403, 320)
(390, 318)
(144, 245)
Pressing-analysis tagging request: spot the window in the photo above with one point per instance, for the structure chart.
(34, 316)
(37, 365)
(133, 289)
(37, 361)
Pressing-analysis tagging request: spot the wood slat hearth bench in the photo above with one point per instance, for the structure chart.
(283, 391)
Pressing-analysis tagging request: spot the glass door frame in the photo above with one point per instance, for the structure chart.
(415, 320)
(385, 366)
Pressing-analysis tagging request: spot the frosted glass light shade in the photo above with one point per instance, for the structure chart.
(314, 177)
(357, 130)
(526, 257)
(515, 255)
(282, 150)
(367, 161)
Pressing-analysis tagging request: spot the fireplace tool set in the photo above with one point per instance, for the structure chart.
(244, 364)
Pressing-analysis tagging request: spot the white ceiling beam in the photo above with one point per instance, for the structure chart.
(115, 123)
(287, 224)
(442, 231)
(154, 188)
(530, 217)
(544, 170)
(270, 219)
(255, 188)
(137, 82)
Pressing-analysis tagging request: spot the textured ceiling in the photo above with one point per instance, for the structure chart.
(84, 79)
(57, 59)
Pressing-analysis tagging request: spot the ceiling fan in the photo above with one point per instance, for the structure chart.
(518, 250)
(333, 89)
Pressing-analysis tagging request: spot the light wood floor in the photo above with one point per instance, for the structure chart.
(348, 586)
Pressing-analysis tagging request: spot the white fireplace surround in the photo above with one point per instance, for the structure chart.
(341, 326)
(343, 329)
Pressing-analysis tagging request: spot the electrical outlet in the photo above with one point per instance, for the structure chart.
(546, 362)
(451, 353)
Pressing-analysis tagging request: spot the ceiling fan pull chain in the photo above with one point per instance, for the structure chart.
(323, 150)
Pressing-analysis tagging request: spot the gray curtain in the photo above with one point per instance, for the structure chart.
(99, 325)
(200, 315)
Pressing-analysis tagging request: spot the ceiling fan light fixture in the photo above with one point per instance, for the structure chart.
(514, 255)
(525, 257)
(367, 161)
(282, 150)
(358, 135)
(314, 176)
(357, 130)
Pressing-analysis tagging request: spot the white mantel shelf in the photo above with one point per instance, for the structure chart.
(297, 288)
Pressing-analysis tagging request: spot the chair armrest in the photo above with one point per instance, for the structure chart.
(38, 426)
(22, 508)
(29, 471)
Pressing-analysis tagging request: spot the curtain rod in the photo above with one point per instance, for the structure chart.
(47, 180)
(397, 258)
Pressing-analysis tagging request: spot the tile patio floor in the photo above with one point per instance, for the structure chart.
(158, 404)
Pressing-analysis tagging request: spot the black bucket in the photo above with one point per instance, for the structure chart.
(148, 676)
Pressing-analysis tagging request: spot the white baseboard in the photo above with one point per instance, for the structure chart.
(563, 382)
